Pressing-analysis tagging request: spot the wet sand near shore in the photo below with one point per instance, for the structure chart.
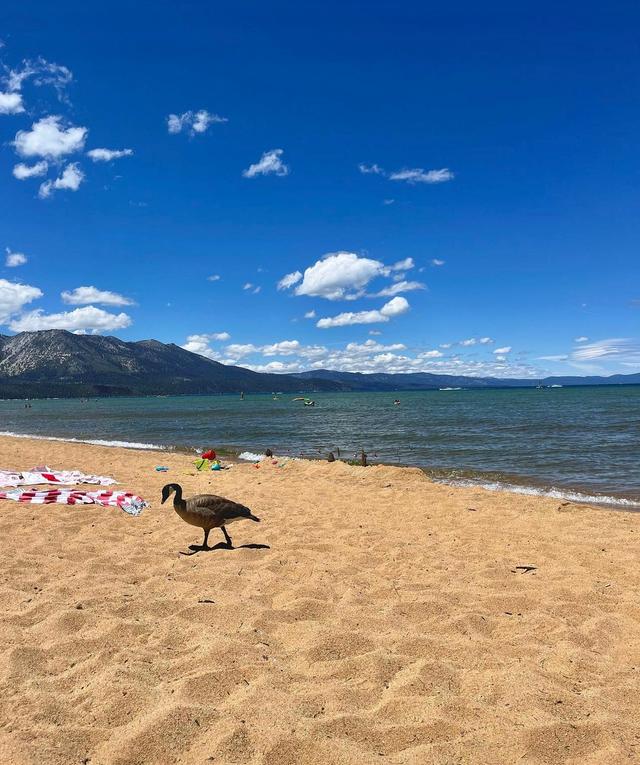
(387, 619)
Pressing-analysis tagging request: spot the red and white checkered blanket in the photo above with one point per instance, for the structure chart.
(45, 475)
(125, 500)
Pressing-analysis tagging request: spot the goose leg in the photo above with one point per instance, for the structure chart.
(226, 536)
(205, 546)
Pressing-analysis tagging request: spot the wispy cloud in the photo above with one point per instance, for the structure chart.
(418, 175)
(22, 171)
(106, 155)
(437, 262)
(193, 122)
(621, 349)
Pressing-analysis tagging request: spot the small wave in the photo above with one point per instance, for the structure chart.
(250, 456)
(94, 441)
(564, 494)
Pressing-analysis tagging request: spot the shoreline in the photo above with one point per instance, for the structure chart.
(526, 486)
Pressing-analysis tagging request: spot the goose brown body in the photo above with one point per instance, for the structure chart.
(208, 511)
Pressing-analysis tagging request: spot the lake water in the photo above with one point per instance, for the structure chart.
(580, 443)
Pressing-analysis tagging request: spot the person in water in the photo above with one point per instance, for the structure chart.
(396, 401)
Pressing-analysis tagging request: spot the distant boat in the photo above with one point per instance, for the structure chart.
(556, 386)
(450, 389)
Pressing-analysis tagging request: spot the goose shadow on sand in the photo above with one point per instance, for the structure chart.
(224, 546)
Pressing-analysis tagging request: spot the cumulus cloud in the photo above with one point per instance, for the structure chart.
(339, 276)
(581, 339)
(13, 298)
(87, 319)
(22, 171)
(106, 155)
(283, 348)
(395, 307)
(193, 122)
(503, 350)
(437, 262)
(213, 278)
(270, 163)
(11, 103)
(49, 138)
(418, 175)
(435, 354)
(310, 315)
(200, 344)
(472, 341)
(14, 259)
(469, 341)
(289, 280)
(70, 180)
(87, 295)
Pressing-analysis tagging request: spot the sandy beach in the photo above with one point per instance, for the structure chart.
(386, 621)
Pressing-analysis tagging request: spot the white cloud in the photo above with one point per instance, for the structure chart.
(395, 307)
(399, 287)
(238, 350)
(201, 344)
(310, 315)
(50, 139)
(503, 350)
(22, 171)
(581, 339)
(248, 286)
(375, 332)
(339, 276)
(370, 169)
(106, 155)
(86, 295)
(11, 103)
(371, 346)
(14, 259)
(446, 345)
(486, 340)
(270, 163)
(403, 265)
(620, 349)
(388, 202)
(289, 280)
(213, 278)
(418, 175)
(469, 341)
(437, 262)
(559, 357)
(283, 348)
(195, 122)
(42, 72)
(71, 178)
(430, 355)
(84, 319)
(13, 298)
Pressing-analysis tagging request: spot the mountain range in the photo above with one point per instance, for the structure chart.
(59, 363)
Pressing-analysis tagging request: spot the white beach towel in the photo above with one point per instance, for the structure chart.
(42, 475)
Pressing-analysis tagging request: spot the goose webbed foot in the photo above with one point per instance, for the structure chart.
(227, 537)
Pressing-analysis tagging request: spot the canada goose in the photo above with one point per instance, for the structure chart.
(207, 511)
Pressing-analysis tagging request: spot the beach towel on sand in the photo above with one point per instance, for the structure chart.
(126, 501)
(46, 475)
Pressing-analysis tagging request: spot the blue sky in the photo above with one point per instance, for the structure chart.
(447, 189)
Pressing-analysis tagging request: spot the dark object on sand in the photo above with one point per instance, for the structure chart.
(330, 457)
(363, 458)
(208, 511)
(268, 453)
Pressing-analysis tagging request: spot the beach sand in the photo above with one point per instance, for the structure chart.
(387, 622)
